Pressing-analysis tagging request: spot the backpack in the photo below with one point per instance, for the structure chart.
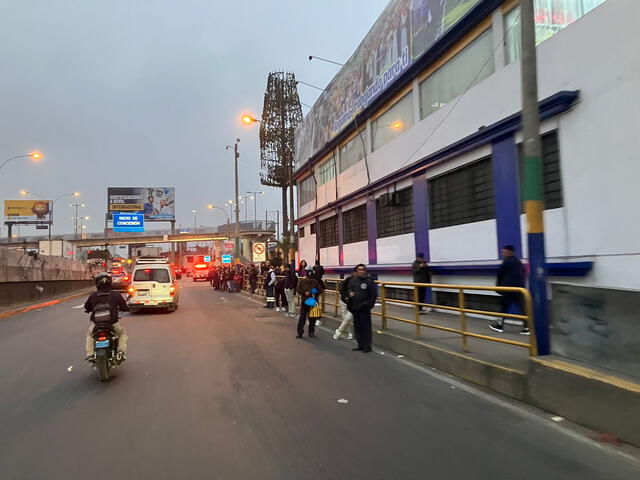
(101, 312)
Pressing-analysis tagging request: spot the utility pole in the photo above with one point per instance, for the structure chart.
(533, 192)
(236, 155)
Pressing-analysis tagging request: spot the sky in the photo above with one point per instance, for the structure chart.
(149, 93)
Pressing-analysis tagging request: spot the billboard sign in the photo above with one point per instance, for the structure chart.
(227, 258)
(404, 31)
(128, 222)
(156, 203)
(27, 210)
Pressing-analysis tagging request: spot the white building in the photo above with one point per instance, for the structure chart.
(433, 165)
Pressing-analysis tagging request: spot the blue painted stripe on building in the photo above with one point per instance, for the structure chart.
(506, 188)
(421, 215)
(372, 230)
(549, 107)
(340, 238)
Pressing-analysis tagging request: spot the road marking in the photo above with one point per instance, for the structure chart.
(78, 306)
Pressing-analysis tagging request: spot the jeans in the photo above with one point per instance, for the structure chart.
(362, 328)
(347, 319)
(505, 302)
(122, 338)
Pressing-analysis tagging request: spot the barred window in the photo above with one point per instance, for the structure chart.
(354, 224)
(327, 171)
(551, 178)
(328, 232)
(301, 232)
(394, 213)
(312, 228)
(464, 195)
(307, 190)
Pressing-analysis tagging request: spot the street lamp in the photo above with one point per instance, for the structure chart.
(212, 206)
(255, 206)
(236, 156)
(311, 57)
(195, 221)
(75, 218)
(248, 119)
(35, 156)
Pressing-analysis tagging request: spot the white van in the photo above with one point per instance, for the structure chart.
(153, 285)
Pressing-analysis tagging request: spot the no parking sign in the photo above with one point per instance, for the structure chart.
(259, 252)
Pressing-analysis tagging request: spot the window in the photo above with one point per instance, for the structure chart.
(551, 16)
(394, 213)
(466, 69)
(352, 151)
(301, 232)
(312, 228)
(159, 275)
(552, 181)
(463, 195)
(328, 232)
(354, 224)
(327, 171)
(393, 122)
(307, 190)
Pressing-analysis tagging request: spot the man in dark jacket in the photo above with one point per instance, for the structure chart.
(510, 274)
(306, 287)
(362, 298)
(421, 274)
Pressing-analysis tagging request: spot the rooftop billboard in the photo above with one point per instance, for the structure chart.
(403, 32)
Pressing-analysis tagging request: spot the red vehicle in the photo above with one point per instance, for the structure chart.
(200, 272)
(121, 279)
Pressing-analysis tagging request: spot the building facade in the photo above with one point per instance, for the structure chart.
(430, 159)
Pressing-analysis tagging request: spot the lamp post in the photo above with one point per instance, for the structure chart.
(195, 221)
(236, 156)
(255, 207)
(311, 57)
(75, 218)
(35, 156)
(246, 206)
(212, 206)
(53, 202)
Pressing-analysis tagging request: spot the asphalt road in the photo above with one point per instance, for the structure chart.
(221, 389)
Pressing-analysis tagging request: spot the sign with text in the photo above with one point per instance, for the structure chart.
(156, 203)
(227, 258)
(259, 252)
(27, 210)
(207, 258)
(128, 222)
(228, 246)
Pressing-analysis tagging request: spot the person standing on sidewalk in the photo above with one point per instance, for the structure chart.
(347, 316)
(510, 274)
(270, 285)
(421, 274)
(253, 278)
(308, 287)
(362, 298)
(290, 284)
(282, 304)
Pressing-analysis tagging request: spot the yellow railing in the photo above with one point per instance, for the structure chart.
(461, 308)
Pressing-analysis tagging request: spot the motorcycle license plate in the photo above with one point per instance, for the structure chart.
(102, 344)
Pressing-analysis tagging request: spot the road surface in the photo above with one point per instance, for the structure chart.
(221, 389)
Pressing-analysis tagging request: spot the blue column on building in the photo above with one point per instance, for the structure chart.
(421, 220)
(506, 186)
(372, 230)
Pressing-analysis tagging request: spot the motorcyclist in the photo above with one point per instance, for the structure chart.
(104, 296)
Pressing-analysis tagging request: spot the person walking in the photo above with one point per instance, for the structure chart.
(309, 290)
(270, 285)
(290, 284)
(281, 299)
(347, 316)
(421, 274)
(362, 298)
(253, 278)
(510, 274)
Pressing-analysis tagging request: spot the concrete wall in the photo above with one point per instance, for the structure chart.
(19, 292)
(17, 266)
(600, 326)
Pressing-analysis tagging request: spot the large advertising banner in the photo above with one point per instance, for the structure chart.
(27, 210)
(404, 31)
(156, 203)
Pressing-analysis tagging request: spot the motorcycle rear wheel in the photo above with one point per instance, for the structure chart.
(104, 369)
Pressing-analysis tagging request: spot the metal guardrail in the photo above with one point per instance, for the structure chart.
(331, 297)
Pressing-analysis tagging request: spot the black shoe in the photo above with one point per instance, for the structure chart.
(524, 331)
(366, 350)
(496, 327)
(298, 336)
(357, 349)
(312, 335)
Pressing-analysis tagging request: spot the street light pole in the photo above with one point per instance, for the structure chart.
(35, 156)
(236, 156)
(195, 221)
(533, 192)
(255, 207)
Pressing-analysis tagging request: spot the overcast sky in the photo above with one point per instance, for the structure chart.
(149, 92)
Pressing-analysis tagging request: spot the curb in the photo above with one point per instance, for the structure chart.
(50, 303)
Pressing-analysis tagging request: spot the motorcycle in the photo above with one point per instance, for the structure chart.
(106, 348)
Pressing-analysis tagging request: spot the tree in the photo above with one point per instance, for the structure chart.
(281, 115)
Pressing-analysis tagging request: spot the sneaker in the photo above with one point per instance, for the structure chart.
(120, 357)
(496, 327)
(336, 335)
(318, 323)
(350, 336)
(524, 331)
(277, 309)
(423, 312)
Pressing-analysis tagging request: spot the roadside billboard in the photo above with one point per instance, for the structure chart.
(27, 210)
(157, 203)
(128, 222)
(403, 33)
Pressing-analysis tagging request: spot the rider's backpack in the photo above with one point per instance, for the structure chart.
(102, 311)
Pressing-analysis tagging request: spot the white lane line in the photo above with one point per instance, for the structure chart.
(78, 306)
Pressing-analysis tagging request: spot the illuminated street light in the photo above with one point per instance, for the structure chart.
(248, 119)
(35, 156)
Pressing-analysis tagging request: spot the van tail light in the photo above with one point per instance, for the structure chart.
(131, 290)
(172, 290)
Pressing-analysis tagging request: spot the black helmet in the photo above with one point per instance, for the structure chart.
(103, 280)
